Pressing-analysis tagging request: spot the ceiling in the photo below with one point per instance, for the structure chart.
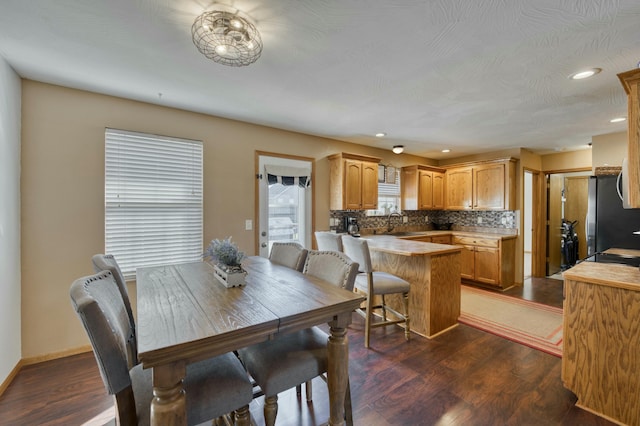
(470, 76)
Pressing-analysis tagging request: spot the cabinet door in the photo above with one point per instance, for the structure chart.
(459, 189)
(438, 191)
(369, 186)
(425, 190)
(488, 187)
(441, 239)
(467, 262)
(487, 263)
(353, 184)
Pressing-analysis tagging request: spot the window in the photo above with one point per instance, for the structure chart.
(153, 199)
(388, 196)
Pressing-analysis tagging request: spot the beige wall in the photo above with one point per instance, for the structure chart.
(609, 150)
(567, 161)
(10, 337)
(63, 190)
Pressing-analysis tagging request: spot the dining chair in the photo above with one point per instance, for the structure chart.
(289, 254)
(328, 241)
(294, 358)
(376, 283)
(106, 262)
(214, 387)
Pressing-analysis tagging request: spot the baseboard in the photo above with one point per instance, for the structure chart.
(56, 355)
(10, 377)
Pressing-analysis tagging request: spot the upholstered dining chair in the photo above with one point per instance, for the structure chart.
(106, 262)
(328, 241)
(214, 387)
(295, 358)
(289, 254)
(376, 283)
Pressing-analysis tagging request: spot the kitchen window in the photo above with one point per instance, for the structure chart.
(388, 195)
(153, 199)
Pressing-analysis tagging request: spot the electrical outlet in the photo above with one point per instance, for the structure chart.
(480, 219)
(405, 219)
(426, 218)
(504, 220)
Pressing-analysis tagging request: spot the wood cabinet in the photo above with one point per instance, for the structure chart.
(353, 182)
(422, 188)
(441, 239)
(481, 186)
(631, 82)
(487, 260)
(601, 337)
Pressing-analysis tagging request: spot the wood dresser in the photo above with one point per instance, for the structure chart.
(601, 354)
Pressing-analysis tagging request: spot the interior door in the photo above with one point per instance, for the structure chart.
(284, 210)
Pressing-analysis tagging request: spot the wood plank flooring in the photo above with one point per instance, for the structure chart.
(463, 377)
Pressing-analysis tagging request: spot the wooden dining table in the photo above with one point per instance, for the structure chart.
(185, 315)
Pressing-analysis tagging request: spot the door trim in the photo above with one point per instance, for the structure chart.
(256, 199)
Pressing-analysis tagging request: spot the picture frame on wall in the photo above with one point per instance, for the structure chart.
(390, 175)
(381, 173)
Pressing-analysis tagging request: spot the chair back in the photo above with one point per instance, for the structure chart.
(99, 305)
(358, 250)
(291, 255)
(328, 241)
(331, 266)
(106, 262)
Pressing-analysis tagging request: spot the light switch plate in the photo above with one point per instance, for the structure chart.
(248, 225)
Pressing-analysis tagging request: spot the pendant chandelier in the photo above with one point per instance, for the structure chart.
(226, 38)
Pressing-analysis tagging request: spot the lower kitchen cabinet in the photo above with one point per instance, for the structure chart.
(487, 260)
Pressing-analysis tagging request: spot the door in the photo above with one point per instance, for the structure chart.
(488, 182)
(284, 209)
(458, 189)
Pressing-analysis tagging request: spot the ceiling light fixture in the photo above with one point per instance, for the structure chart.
(381, 135)
(617, 120)
(585, 74)
(226, 38)
(446, 150)
(398, 149)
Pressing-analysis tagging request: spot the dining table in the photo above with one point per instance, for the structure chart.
(185, 315)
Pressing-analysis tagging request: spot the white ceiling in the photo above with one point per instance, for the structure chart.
(469, 75)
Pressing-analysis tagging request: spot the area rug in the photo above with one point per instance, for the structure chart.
(532, 324)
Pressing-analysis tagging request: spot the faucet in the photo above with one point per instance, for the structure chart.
(389, 225)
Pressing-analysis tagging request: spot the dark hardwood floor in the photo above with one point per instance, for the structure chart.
(463, 377)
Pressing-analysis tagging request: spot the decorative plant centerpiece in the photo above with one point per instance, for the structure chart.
(226, 257)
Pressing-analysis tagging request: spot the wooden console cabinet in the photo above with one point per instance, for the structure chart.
(353, 182)
(422, 188)
(601, 339)
(487, 185)
(487, 260)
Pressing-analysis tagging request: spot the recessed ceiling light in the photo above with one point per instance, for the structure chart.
(381, 135)
(585, 73)
(398, 149)
(617, 120)
(446, 150)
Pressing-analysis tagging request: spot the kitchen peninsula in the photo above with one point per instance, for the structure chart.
(433, 270)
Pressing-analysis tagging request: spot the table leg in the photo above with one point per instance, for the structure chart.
(337, 373)
(168, 406)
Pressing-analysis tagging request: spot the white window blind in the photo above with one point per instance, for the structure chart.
(153, 199)
(388, 197)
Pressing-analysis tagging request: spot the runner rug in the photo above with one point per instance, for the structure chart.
(529, 323)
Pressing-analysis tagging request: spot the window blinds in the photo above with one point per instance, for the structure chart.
(153, 199)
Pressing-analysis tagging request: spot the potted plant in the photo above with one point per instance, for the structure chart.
(226, 258)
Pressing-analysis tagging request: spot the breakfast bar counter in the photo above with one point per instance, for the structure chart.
(433, 270)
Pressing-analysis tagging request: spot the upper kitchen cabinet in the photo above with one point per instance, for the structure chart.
(422, 188)
(488, 185)
(631, 83)
(353, 181)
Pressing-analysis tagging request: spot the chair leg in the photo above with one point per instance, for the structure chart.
(299, 391)
(368, 319)
(308, 390)
(270, 410)
(242, 416)
(384, 309)
(407, 327)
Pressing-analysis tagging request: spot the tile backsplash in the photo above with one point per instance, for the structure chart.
(426, 219)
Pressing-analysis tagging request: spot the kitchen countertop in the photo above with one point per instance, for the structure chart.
(607, 274)
(404, 247)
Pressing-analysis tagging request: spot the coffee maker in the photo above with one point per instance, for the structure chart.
(351, 226)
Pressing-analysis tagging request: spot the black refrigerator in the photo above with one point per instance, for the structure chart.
(608, 224)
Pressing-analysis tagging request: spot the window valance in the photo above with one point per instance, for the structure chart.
(288, 176)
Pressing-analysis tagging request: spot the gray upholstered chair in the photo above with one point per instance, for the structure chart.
(291, 255)
(106, 262)
(295, 358)
(214, 387)
(376, 283)
(328, 241)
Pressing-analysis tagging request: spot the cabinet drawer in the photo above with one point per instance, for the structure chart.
(476, 241)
